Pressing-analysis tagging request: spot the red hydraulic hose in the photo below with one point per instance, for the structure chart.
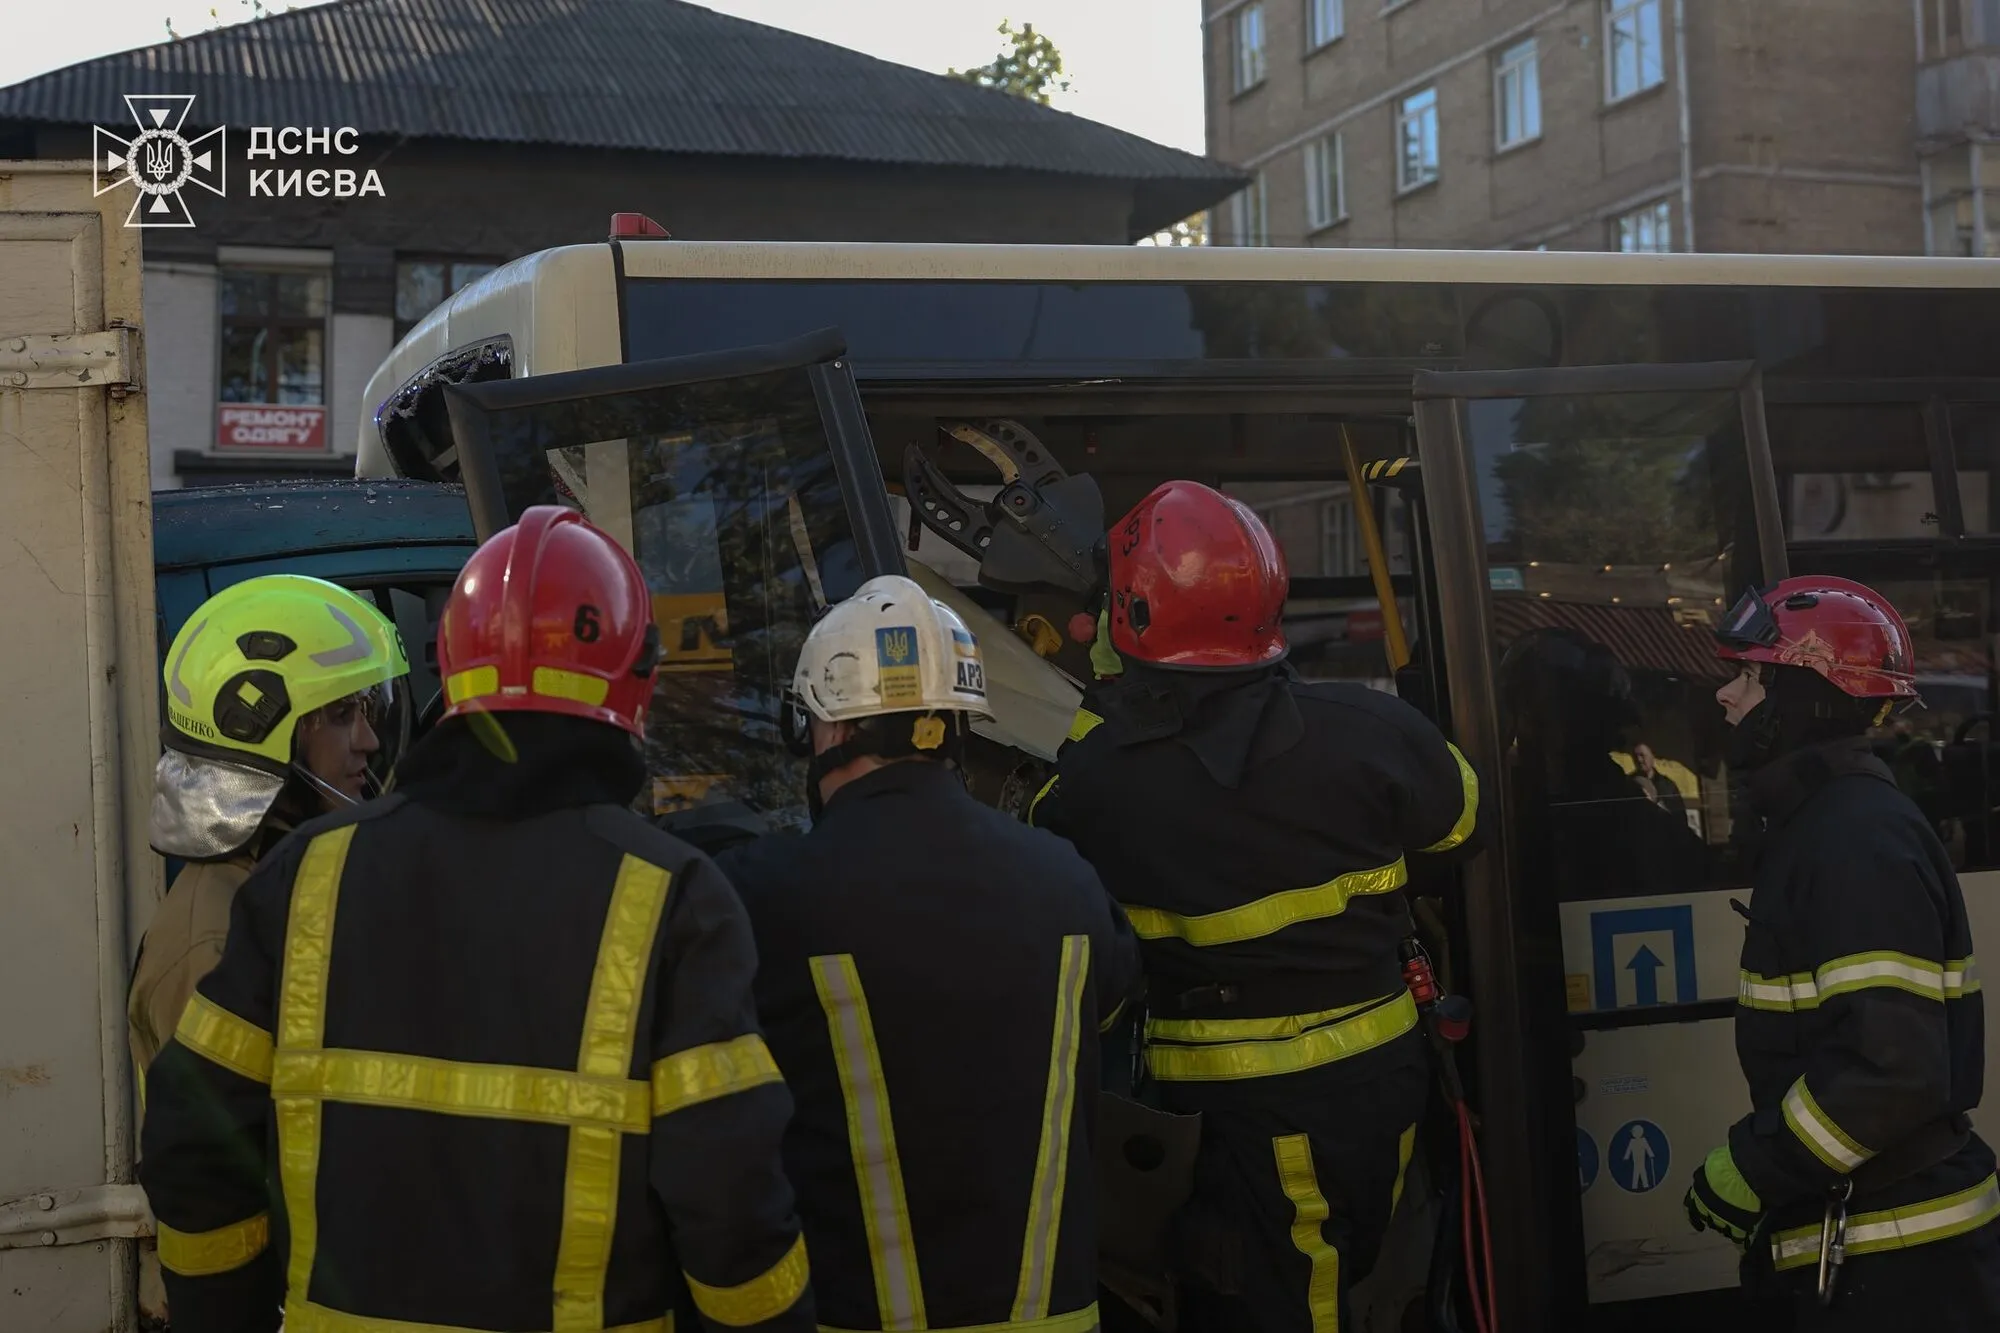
(1479, 1256)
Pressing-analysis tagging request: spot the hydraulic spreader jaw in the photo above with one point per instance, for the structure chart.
(1044, 529)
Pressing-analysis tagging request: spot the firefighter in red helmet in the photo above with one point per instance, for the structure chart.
(1855, 1184)
(1258, 829)
(483, 1054)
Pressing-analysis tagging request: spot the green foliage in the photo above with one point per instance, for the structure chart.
(1188, 231)
(1028, 66)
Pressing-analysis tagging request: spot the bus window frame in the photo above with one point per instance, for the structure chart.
(822, 355)
(1459, 572)
(1935, 399)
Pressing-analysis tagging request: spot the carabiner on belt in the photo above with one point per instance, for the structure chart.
(1833, 1239)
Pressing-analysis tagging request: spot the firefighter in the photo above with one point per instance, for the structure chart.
(490, 1039)
(933, 976)
(1257, 829)
(1855, 1183)
(277, 690)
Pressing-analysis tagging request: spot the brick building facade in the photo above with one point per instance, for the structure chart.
(1801, 126)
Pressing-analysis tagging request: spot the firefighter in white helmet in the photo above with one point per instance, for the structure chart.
(932, 977)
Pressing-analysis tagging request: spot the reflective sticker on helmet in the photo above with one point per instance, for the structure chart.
(964, 644)
(1810, 651)
(972, 679)
(927, 733)
(896, 659)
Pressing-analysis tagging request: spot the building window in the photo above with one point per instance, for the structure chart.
(1632, 53)
(422, 285)
(1517, 96)
(1340, 540)
(1649, 231)
(273, 336)
(1417, 140)
(1326, 20)
(1249, 47)
(1247, 214)
(1326, 186)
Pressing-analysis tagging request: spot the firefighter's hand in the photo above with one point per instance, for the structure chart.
(1720, 1200)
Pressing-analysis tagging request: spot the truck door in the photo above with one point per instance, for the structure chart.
(1588, 525)
(745, 485)
(77, 713)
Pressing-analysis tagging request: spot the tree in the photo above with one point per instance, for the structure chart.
(1028, 66)
(1188, 231)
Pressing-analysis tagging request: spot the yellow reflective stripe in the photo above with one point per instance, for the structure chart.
(766, 1296)
(305, 1317)
(451, 1087)
(703, 1073)
(1776, 994)
(610, 1029)
(1337, 1040)
(472, 683)
(1047, 787)
(1897, 971)
(1896, 1228)
(871, 1137)
(205, 1253)
(555, 683)
(1077, 1321)
(1045, 1194)
(215, 1034)
(1961, 978)
(1309, 1210)
(1815, 1128)
(1405, 1144)
(1250, 1029)
(1083, 724)
(302, 1027)
(1468, 813)
(1267, 916)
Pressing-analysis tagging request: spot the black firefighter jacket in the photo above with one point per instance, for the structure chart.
(932, 978)
(478, 1073)
(1859, 1022)
(1258, 830)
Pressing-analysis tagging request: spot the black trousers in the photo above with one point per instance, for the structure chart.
(1947, 1286)
(1296, 1181)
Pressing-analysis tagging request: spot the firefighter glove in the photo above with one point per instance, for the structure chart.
(1721, 1200)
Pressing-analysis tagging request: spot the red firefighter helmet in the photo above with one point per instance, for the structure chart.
(1197, 582)
(550, 616)
(1844, 630)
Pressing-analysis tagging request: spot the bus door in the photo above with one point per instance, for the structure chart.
(1587, 525)
(745, 485)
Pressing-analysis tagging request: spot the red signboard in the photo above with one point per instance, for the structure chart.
(1364, 626)
(263, 428)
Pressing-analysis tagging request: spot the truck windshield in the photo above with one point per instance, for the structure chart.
(726, 494)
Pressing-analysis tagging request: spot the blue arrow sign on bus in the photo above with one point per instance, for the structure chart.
(1669, 928)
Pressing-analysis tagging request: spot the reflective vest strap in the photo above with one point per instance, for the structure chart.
(217, 1035)
(1211, 1049)
(766, 1296)
(302, 1027)
(305, 1317)
(1301, 1185)
(1267, 916)
(610, 1032)
(1896, 1228)
(1077, 1321)
(1468, 811)
(871, 1137)
(205, 1253)
(1045, 1195)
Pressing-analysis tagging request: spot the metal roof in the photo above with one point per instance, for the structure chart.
(649, 75)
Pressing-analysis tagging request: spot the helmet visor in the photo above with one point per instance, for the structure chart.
(1749, 624)
(384, 710)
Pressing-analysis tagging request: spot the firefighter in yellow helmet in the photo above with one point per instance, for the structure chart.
(279, 690)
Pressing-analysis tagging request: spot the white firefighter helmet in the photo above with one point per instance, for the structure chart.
(890, 649)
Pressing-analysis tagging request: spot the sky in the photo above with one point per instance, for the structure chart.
(1135, 64)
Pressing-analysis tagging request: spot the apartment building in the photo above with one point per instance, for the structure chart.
(1764, 126)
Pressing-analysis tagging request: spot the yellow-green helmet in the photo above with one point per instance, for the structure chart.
(260, 655)
(252, 661)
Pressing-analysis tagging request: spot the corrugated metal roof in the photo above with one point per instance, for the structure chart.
(652, 75)
(1642, 638)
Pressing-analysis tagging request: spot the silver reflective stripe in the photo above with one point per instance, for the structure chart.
(878, 1172)
(1898, 970)
(1045, 1199)
(1796, 992)
(1818, 1132)
(354, 650)
(1961, 978)
(1897, 1228)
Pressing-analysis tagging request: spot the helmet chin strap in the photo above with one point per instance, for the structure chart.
(339, 799)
